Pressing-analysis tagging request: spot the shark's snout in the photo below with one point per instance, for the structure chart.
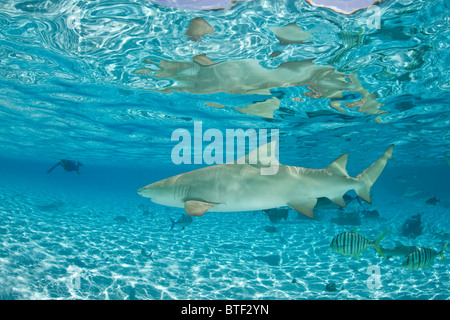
(145, 191)
(156, 189)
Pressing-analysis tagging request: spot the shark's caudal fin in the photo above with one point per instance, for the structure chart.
(371, 174)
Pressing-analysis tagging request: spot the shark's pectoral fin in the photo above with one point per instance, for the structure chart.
(304, 206)
(197, 208)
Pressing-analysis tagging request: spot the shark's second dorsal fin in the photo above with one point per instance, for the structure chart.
(337, 167)
(264, 156)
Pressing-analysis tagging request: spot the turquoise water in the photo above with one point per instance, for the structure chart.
(106, 83)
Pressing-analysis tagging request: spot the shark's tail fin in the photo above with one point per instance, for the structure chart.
(442, 252)
(377, 246)
(371, 174)
(173, 223)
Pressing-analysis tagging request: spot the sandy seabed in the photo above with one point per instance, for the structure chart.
(59, 245)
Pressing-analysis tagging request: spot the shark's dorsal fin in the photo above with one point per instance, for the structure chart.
(304, 206)
(337, 167)
(197, 208)
(264, 156)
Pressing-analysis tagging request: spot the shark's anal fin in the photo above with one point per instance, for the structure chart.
(304, 206)
(339, 201)
(197, 208)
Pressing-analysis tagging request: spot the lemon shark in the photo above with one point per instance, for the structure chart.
(242, 186)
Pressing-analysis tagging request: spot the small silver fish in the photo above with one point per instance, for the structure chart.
(270, 229)
(432, 200)
(121, 219)
(331, 287)
(352, 243)
(146, 255)
(184, 221)
(422, 258)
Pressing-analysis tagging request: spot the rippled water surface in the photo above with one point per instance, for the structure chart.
(107, 83)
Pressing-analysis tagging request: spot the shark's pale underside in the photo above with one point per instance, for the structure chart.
(242, 187)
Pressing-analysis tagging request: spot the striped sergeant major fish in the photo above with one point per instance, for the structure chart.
(353, 244)
(423, 258)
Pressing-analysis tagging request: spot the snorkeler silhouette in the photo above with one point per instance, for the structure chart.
(68, 165)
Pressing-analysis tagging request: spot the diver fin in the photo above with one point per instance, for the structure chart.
(197, 208)
(368, 177)
(337, 167)
(305, 207)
